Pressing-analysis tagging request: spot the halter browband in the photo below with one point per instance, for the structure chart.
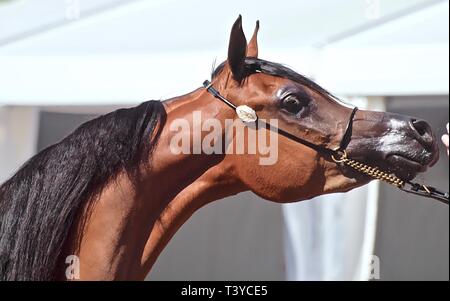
(339, 155)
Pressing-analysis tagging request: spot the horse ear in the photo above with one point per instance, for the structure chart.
(252, 47)
(237, 49)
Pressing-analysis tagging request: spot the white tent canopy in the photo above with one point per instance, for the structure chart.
(158, 50)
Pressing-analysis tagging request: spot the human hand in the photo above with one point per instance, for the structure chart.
(445, 139)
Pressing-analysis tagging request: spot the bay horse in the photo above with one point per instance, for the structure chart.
(113, 193)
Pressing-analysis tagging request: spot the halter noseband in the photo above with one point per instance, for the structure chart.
(339, 155)
(347, 136)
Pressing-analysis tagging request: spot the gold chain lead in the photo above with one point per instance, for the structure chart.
(373, 172)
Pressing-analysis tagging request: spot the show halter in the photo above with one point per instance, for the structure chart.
(339, 154)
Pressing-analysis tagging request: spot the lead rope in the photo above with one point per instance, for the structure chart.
(374, 172)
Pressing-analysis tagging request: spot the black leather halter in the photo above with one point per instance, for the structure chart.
(407, 186)
(345, 140)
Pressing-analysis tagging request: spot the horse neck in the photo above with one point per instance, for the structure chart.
(210, 186)
(127, 230)
(187, 182)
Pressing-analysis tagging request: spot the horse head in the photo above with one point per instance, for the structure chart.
(400, 145)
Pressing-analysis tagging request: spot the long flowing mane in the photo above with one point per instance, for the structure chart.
(40, 202)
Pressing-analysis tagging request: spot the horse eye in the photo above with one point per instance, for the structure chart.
(292, 104)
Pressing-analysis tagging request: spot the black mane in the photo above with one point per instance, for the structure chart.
(39, 203)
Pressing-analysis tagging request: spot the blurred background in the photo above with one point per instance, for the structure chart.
(63, 62)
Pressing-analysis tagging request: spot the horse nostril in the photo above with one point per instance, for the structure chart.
(422, 130)
(420, 126)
